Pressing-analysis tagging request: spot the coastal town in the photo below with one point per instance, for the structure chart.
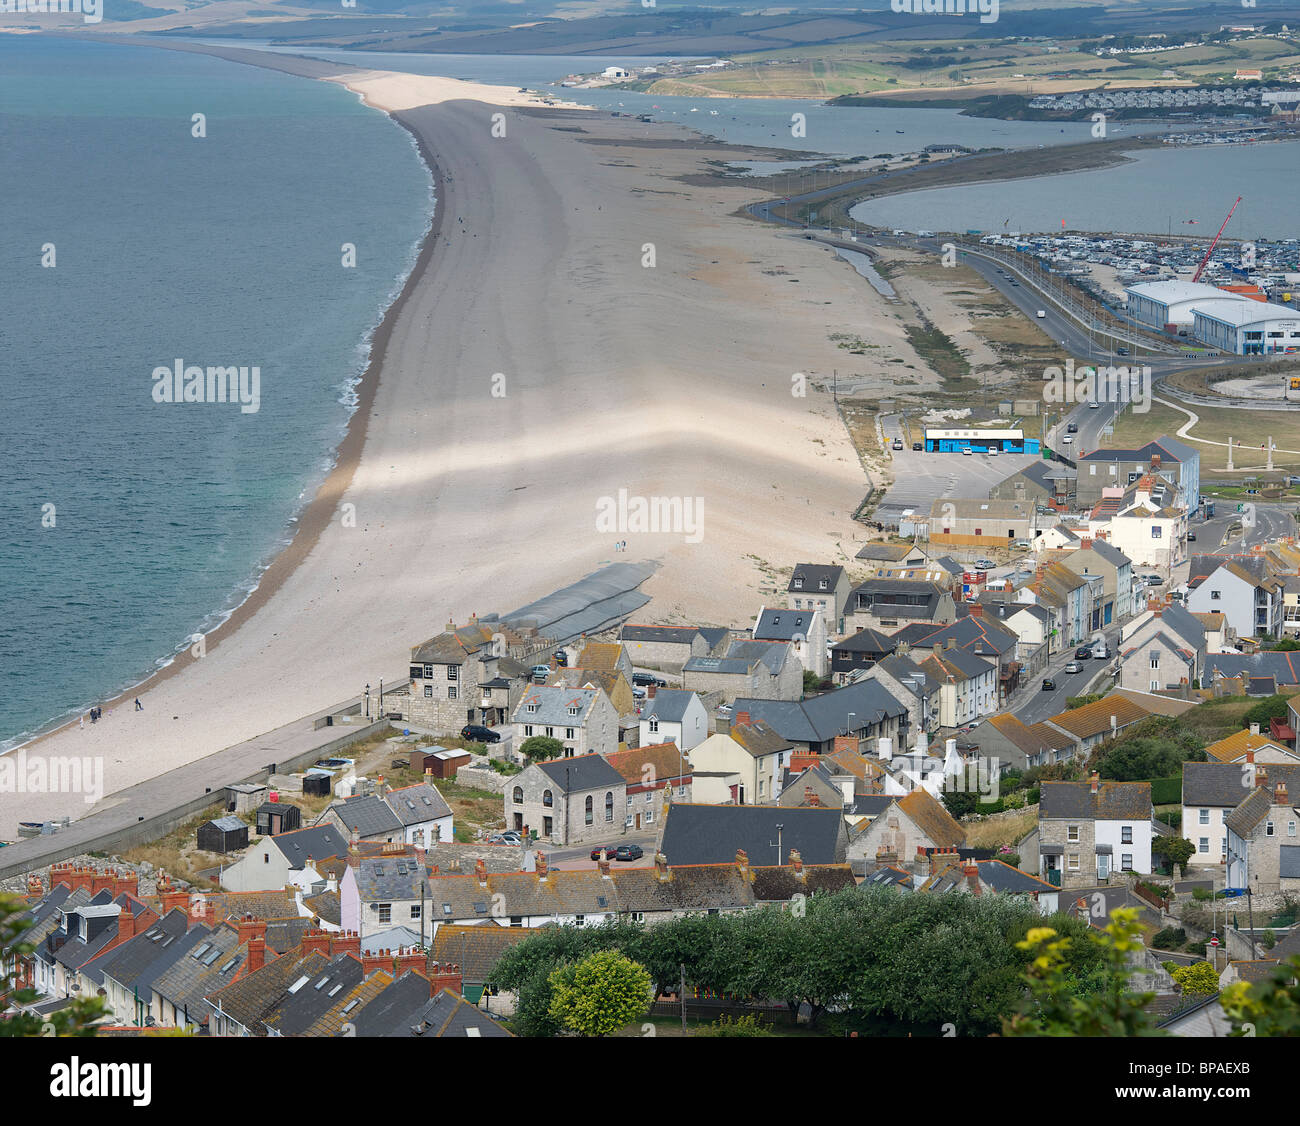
(740, 594)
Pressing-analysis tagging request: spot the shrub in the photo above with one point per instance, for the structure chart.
(1269, 940)
(1201, 895)
(1171, 938)
(746, 1025)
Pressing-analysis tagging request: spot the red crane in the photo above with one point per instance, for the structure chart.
(1205, 261)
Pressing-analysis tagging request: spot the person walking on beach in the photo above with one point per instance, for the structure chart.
(138, 706)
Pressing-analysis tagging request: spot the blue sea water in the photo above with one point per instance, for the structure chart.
(126, 525)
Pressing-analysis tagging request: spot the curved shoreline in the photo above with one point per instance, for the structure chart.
(311, 520)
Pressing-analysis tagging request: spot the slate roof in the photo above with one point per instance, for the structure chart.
(1214, 784)
(886, 552)
(582, 772)
(327, 906)
(975, 633)
(711, 834)
(876, 594)
(476, 948)
(780, 885)
(317, 841)
(416, 804)
(367, 815)
(1113, 801)
(1169, 449)
(820, 718)
(1176, 620)
(447, 1015)
(551, 704)
(668, 705)
(293, 1013)
(758, 738)
(385, 879)
(204, 968)
(869, 805)
(887, 875)
(348, 1002)
(957, 663)
(392, 1008)
(783, 625)
(993, 874)
(394, 938)
(139, 960)
(284, 934)
(813, 574)
(866, 641)
(1284, 668)
(1249, 813)
(256, 994)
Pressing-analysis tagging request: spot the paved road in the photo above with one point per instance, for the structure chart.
(1255, 525)
(1032, 705)
(580, 855)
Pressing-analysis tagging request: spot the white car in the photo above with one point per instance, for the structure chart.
(993, 451)
(1041, 314)
(1067, 440)
(966, 451)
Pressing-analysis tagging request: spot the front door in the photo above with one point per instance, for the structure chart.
(638, 821)
(1103, 866)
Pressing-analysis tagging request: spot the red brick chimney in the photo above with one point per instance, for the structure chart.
(842, 743)
(256, 955)
(650, 691)
(542, 866)
(346, 942)
(603, 865)
(742, 862)
(445, 976)
(1085, 543)
(662, 874)
(316, 941)
(972, 874)
(172, 900)
(1261, 775)
(796, 862)
(1095, 780)
(1280, 794)
(976, 610)
(742, 718)
(248, 927)
(480, 871)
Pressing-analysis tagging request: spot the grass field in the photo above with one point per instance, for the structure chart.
(1216, 426)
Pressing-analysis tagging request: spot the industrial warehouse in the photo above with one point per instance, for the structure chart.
(1233, 322)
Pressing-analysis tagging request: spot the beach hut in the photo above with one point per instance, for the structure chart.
(225, 834)
(275, 817)
(440, 762)
(316, 783)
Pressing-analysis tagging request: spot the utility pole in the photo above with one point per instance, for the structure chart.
(681, 992)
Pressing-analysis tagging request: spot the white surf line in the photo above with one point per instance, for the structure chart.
(1193, 418)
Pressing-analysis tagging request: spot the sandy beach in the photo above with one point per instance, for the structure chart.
(532, 366)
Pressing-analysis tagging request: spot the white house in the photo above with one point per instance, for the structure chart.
(583, 719)
(673, 715)
(805, 630)
(272, 862)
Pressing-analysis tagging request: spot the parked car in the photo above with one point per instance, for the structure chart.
(1152, 580)
(1083, 653)
(993, 451)
(1191, 537)
(477, 733)
(638, 693)
(629, 852)
(966, 451)
(1093, 406)
(917, 446)
(1049, 685)
(509, 837)
(1121, 351)
(985, 564)
(648, 678)
(1067, 440)
(542, 670)
(898, 443)
(1074, 666)
(608, 850)
(1073, 428)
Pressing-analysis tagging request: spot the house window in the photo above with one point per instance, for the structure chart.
(573, 711)
(1156, 531)
(1155, 660)
(550, 731)
(638, 916)
(1072, 861)
(649, 817)
(1214, 596)
(453, 672)
(570, 732)
(654, 725)
(516, 920)
(1290, 828)
(1126, 861)
(629, 801)
(580, 919)
(649, 797)
(1072, 833)
(547, 800)
(1204, 845)
(609, 807)
(823, 584)
(798, 584)
(1126, 834)
(1204, 817)
(628, 823)
(385, 912)
(531, 706)
(587, 807)
(428, 672)
(451, 692)
(518, 795)
(415, 910)
(528, 729)
(428, 690)
(1268, 828)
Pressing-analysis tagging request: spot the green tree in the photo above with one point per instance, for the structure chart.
(600, 994)
(1272, 708)
(811, 682)
(1199, 977)
(1054, 1009)
(76, 1019)
(1174, 850)
(1266, 1008)
(541, 748)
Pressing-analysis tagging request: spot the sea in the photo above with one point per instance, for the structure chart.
(128, 525)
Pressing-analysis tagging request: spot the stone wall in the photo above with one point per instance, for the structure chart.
(481, 778)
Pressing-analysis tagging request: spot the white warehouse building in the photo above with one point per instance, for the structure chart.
(1250, 328)
(1173, 302)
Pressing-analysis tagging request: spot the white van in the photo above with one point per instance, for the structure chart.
(1099, 650)
(1041, 314)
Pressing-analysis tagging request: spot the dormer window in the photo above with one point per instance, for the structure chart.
(823, 584)
(798, 583)
(531, 706)
(573, 710)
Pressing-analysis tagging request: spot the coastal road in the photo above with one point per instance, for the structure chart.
(1255, 525)
(1036, 705)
